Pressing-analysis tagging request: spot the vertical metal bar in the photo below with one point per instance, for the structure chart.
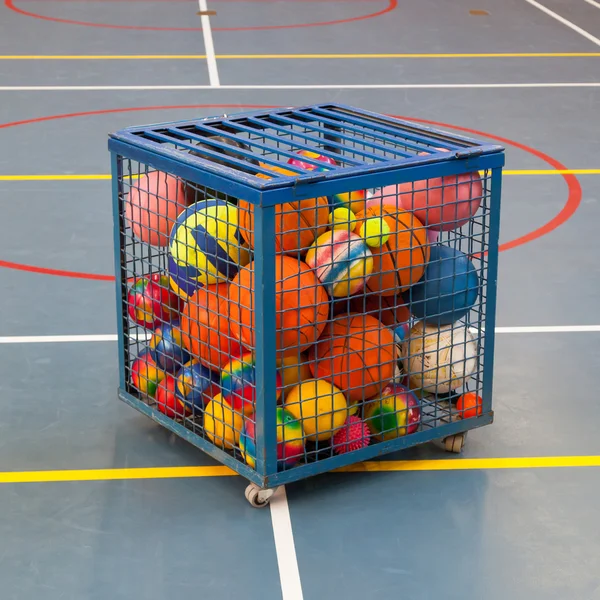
(119, 246)
(265, 337)
(492, 283)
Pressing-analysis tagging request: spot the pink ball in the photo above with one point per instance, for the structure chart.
(154, 202)
(441, 203)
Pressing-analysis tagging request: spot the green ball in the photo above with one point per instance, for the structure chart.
(342, 218)
(375, 231)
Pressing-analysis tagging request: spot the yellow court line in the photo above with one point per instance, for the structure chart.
(449, 464)
(297, 56)
(104, 177)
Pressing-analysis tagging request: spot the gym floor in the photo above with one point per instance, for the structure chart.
(98, 502)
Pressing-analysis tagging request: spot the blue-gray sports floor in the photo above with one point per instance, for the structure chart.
(529, 531)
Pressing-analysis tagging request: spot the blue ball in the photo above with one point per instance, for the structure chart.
(448, 289)
(166, 348)
(196, 385)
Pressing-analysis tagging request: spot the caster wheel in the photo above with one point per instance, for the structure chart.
(455, 443)
(258, 497)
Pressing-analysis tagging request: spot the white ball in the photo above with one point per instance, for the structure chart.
(438, 360)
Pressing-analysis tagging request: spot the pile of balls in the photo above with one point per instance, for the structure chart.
(368, 309)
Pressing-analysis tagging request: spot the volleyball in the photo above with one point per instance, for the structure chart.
(206, 240)
(439, 360)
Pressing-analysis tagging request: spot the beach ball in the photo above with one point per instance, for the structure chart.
(395, 413)
(196, 385)
(206, 239)
(152, 205)
(448, 288)
(290, 440)
(320, 407)
(342, 261)
(354, 201)
(150, 302)
(439, 359)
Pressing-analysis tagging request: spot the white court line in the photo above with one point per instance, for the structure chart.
(112, 337)
(209, 47)
(332, 86)
(593, 3)
(564, 21)
(289, 575)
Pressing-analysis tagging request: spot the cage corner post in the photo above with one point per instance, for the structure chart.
(492, 287)
(119, 250)
(265, 338)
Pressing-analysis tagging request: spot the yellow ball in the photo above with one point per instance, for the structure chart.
(375, 231)
(294, 370)
(221, 424)
(321, 408)
(342, 218)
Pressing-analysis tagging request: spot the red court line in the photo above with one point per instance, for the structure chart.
(568, 210)
(391, 5)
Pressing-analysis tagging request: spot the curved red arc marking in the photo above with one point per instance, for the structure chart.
(564, 215)
(10, 4)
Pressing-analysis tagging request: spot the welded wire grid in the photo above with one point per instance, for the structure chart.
(374, 340)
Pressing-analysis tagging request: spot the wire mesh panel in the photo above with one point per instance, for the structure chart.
(306, 288)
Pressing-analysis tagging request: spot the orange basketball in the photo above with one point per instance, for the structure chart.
(297, 224)
(356, 353)
(401, 261)
(390, 310)
(302, 305)
(206, 327)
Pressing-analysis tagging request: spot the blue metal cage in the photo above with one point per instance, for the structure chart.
(243, 179)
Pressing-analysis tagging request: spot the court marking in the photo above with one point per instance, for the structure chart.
(593, 3)
(33, 57)
(209, 47)
(112, 337)
(570, 207)
(391, 6)
(438, 464)
(564, 21)
(335, 86)
(285, 549)
(106, 176)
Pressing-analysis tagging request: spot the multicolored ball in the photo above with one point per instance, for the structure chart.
(166, 348)
(222, 425)
(342, 262)
(290, 440)
(238, 383)
(395, 413)
(196, 385)
(355, 201)
(167, 401)
(353, 435)
(297, 162)
(151, 302)
(145, 375)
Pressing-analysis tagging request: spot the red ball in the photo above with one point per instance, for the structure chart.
(296, 162)
(151, 302)
(167, 401)
(353, 435)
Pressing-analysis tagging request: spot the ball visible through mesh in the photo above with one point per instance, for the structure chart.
(353, 435)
